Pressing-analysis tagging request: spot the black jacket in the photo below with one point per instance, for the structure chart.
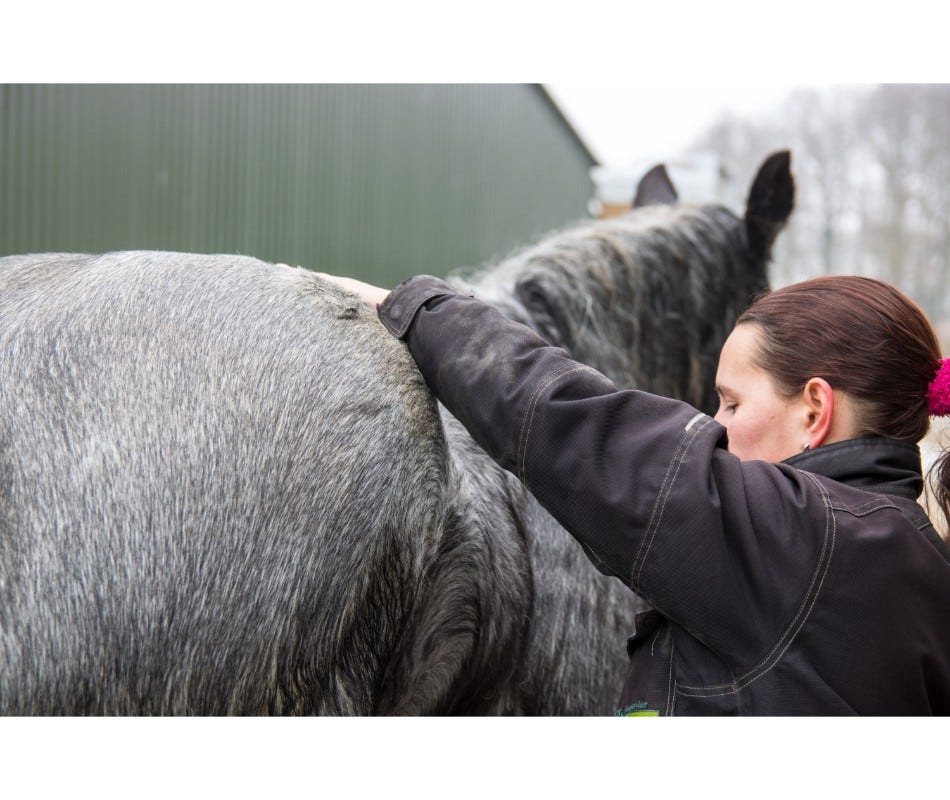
(813, 586)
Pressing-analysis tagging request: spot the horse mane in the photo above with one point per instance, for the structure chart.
(647, 298)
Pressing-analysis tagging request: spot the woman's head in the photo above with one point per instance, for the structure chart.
(844, 356)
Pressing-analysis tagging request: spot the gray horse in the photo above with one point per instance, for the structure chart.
(225, 489)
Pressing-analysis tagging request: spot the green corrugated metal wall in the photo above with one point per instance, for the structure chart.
(376, 181)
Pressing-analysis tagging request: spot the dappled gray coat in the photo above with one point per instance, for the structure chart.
(225, 489)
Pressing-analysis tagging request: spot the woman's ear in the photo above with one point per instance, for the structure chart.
(819, 405)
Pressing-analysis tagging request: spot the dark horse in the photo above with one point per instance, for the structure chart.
(224, 489)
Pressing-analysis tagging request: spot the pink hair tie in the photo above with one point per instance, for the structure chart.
(938, 393)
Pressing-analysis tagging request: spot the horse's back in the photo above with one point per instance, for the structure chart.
(217, 480)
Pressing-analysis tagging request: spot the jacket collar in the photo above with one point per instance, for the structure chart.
(871, 463)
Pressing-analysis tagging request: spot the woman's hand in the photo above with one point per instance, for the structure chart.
(374, 295)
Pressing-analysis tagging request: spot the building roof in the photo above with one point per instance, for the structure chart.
(566, 121)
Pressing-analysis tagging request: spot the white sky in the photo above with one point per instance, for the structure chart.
(631, 123)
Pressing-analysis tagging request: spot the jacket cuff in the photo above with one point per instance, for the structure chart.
(402, 304)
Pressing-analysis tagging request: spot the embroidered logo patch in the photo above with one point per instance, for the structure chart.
(636, 710)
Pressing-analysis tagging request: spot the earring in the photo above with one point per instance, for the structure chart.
(806, 447)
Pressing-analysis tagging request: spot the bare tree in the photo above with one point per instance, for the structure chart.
(873, 175)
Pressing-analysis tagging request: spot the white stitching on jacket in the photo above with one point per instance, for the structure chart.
(785, 640)
(679, 456)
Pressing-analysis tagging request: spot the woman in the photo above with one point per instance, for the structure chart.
(789, 565)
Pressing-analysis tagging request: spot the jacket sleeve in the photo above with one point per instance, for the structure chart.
(644, 483)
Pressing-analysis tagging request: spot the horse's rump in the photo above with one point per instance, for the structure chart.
(219, 480)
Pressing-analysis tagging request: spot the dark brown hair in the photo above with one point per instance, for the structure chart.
(865, 338)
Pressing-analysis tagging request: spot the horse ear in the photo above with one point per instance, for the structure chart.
(770, 203)
(655, 188)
